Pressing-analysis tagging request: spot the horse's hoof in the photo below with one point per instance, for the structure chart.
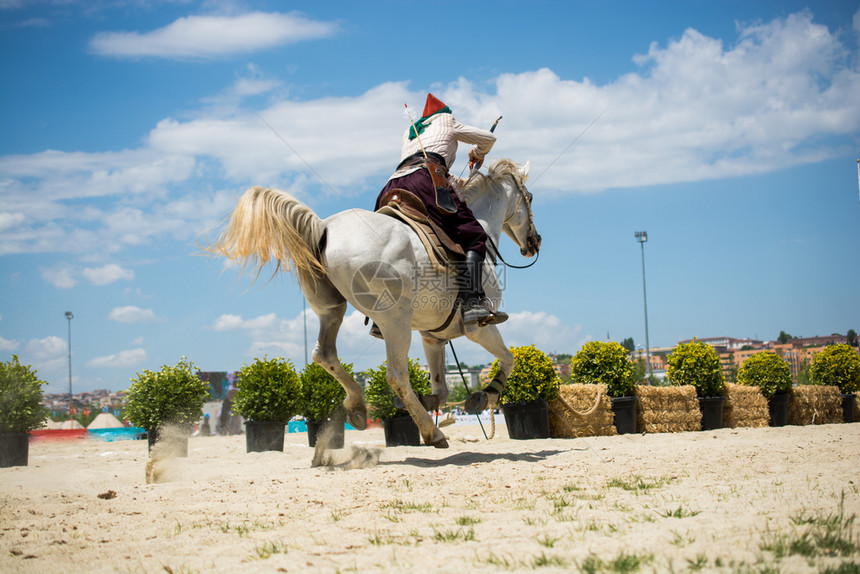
(441, 443)
(477, 403)
(429, 402)
(357, 420)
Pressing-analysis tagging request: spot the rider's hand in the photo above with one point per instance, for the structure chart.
(475, 160)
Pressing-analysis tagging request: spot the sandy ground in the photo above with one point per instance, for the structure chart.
(732, 500)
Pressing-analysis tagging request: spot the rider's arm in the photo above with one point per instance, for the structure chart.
(483, 140)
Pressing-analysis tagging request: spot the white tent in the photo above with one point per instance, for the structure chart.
(71, 424)
(105, 421)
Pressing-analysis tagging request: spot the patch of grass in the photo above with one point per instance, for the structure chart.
(571, 488)
(638, 484)
(380, 539)
(463, 534)
(844, 568)
(699, 563)
(681, 541)
(546, 540)
(623, 563)
(401, 506)
(467, 521)
(269, 549)
(543, 561)
(559, 503)
(392, 516)
(524, 504)
(818, 535)
(499, 561)
(679, 512)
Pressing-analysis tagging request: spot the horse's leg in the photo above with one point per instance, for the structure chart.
(330, 307)
(434, 352)
(490, 338)
(397, 339)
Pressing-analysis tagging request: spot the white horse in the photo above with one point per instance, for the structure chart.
(379, 265)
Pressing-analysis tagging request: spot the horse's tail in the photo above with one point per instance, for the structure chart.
(272, 224)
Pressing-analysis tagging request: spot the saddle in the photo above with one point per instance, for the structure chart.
(408, 207)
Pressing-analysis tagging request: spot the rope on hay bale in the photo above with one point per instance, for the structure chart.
(745, 406)
(814, 405)
(569, 415)
(668, 409)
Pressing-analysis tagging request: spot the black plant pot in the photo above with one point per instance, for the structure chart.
(527, 420)
(777, 406)
(848, 407)
(171, 445)
(262, 436)
(14, 449)
(334, 425)
(712, 412)
(624, 409)
(401, 431)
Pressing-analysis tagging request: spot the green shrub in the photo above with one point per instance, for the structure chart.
(837, 365)
(604, 363)
(173, 395)
(21, 407)
(697, 364)
(533, 377)
(322, 394)
(268, 390)
(767, 371)
(380, 396)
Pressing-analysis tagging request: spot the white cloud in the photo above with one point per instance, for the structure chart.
(61, 276)
(128, 358)
(131, 314)
(46, 355)
(541, 329)
(212, 36)
(696, 109)
(7, 345)
(107, 274)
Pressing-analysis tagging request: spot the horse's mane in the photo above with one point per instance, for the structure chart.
(499, 169)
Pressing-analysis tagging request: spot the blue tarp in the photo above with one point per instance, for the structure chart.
(300, 426)
(110, 435)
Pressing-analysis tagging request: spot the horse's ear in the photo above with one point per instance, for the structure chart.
(524, 171)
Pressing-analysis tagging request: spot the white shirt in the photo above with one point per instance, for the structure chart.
(441, 136)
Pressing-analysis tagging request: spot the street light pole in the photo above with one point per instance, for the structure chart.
(69, 316)
(642, 237)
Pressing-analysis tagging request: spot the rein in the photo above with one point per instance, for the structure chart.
(531, 227)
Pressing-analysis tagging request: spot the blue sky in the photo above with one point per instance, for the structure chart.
(729, 131)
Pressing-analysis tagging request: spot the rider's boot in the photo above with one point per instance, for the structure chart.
(477, 308)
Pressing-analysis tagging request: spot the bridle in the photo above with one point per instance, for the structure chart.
(532, 237)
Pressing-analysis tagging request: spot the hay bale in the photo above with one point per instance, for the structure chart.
(668, 409)
(814, 405)
(565, 420)
(745, 406)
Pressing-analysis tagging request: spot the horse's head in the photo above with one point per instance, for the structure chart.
(519, 221)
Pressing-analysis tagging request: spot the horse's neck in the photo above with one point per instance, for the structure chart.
(489, 209)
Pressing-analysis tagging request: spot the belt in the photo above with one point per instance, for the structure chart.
(418, 158)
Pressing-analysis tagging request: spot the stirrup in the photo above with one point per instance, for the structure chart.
(477, 309)
(376, 332)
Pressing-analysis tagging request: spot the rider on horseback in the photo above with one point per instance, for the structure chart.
(428, 151)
